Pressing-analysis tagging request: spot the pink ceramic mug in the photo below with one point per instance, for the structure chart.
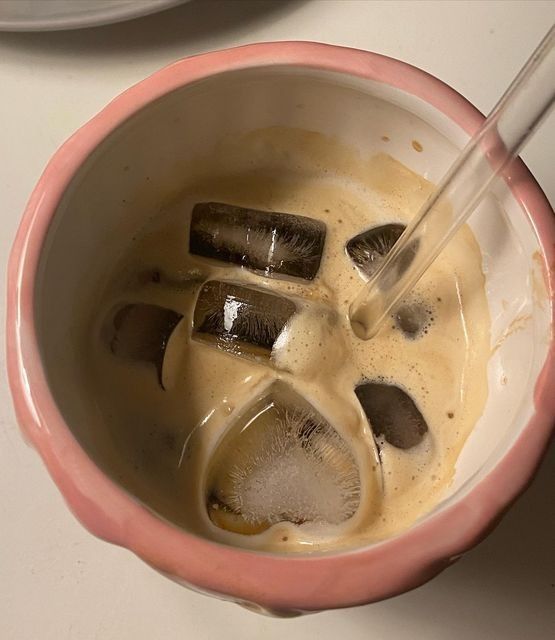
(108, 178)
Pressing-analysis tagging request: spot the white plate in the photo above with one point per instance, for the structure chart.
(52, 15)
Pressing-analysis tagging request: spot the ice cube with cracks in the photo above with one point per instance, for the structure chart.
(276, 244)
(281, 461)
(368, 250)
(243, 320)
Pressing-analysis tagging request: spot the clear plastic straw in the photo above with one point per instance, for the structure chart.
(488, 154)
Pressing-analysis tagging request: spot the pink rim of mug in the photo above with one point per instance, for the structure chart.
(276, 582)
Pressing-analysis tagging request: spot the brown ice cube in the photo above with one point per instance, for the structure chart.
(240, 319)
(270, 242)
(413, 319)
(392, 413)
(369, 248)
(141, 332)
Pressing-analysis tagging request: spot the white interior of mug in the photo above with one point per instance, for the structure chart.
(142, 165)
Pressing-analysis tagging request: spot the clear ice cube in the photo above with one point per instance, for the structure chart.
(141, 332)
(243, 320)
(392, 414)
(274, 243)
(281, 461)
(369, 248)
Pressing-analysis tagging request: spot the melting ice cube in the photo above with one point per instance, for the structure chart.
(274, 243)
(141, 332)
(244, 320)
(281, 461)
(413, 319)
(369, 248)
(392, 414)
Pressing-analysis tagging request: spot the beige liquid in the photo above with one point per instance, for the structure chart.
(163, 439)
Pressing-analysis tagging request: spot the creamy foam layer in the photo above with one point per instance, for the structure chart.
(159, 442)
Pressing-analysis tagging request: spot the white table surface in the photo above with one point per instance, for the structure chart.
(56, 580)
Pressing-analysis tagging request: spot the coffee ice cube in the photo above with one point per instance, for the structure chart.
(392, 414)
(141, 332)
(243, 320)
(273, 243)
(369, 248)
(413, 319)
(281, 461)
